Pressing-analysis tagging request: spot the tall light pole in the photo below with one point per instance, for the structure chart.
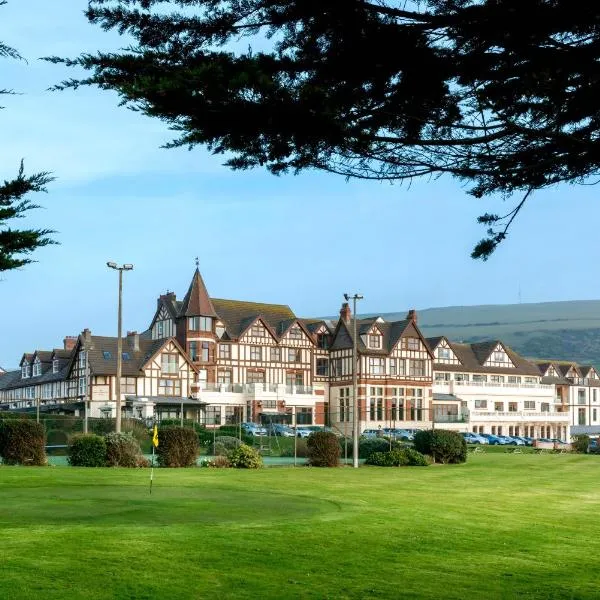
(355, 413)
(122, 268)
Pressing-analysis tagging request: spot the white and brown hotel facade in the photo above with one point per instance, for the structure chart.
(221, 361)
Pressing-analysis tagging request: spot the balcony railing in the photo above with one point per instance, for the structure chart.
(254, 388)
(541, 386)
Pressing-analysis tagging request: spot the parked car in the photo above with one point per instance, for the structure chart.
(474, 438)
(494, 440)
(280, 430)
(514, 441)
(371, 434)
(254, 429)
(302, 432)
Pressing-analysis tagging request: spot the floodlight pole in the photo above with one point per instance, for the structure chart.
(355, 407)
(126, 267)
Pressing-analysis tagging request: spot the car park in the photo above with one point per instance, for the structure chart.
(302, 432)
(254, 429)
(280, 430)
(371, 434)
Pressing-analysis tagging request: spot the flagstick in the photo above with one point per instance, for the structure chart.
(152, 470)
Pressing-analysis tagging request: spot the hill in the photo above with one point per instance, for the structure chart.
(559, 330)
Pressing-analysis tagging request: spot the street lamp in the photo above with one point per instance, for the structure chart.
(127, 267)
(355, 421)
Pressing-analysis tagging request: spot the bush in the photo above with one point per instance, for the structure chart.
(224, 444)
(447, 447)
(399, 457)
(218, 462)
(580, 443)
(87, 450)
(323, 449)
(22, 442)
(122, 450)
(366, 447)
(245, 457)
(301, 449)
(177, 446)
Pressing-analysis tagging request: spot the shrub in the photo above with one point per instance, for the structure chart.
(224, 444)
(122, 450)
(22, 442)
(399, 457)
(245, 457)
(323, 449)
(580, 443)
(87, 450)
(301, 449)
(218, 462)
(177, 446)
(366, 447)
(442, 445)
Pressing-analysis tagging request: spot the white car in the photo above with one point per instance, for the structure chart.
(253, 429)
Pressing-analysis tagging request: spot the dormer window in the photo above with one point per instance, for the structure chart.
(411, 343)
(499, 357)
(295, 333)
(55, 365)
(82, 360)
(375, 341)
(322, 341)
(37, 368)
(256, 330)
(25, 371)
(443, 353)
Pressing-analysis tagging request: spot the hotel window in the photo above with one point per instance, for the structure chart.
(595, 414)
(417, 367)
(443, 353)
(479, 378)
(513, 406)
(296, 379)
(499, 357)
(82, 386)
(205, 347)
(106, 355)
(128, 385)
(275, 354)
(224, 376)
(514, 379)
(37, 368)
(377, 366)
(55, 365)
(169, 387)
(497, 378)
(398, 404)
(580, 396)
(442, 376)
(322, 367)
(257, 330)
(530, 380)
(397, 366)
(322, 341)
(255, 377)
(336, 367)
(160, 329)
(499, 406)
(545, 407)
(304, 416)
(376, 404)
(374, 341)
(194, 351)
(168, 364)
(581, 416)
(25, 371)
(47, 391)
(255, 353)
(82, 359)
(295, 333)
(225, 351)
(294, 355)
(345, 414)
(461, 377)
(529, 405)
(200, 323)
(480, 403)
(413, 343)
(595, 394)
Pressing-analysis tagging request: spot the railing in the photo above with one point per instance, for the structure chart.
(518, 413)
(542, 386)
(254, 388)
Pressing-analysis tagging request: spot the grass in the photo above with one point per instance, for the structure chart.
(501, 526)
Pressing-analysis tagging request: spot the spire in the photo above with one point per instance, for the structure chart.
(197, 302)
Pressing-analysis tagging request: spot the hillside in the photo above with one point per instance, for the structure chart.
(559, 330)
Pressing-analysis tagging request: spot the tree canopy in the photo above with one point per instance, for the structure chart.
(501, 94)
(17, 244)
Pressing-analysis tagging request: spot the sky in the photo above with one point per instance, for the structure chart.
(299, 240)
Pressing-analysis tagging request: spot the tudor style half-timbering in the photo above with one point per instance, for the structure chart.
(498, 391)
(394, 373)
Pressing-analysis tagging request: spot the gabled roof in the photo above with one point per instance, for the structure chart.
(197, 302)
(434, 341)
(237, 315)
(313, 325)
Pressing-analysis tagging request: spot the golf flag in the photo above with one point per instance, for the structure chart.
(155, 437)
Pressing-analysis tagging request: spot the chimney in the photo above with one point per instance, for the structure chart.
(412, 315)
(133, 337)
(87, 337)
(168, 296)
(345, 312)
(69, 342)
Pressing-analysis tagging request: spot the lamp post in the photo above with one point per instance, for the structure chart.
(127, 267)
(355, 415)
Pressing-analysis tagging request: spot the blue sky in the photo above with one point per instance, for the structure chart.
(300, 240)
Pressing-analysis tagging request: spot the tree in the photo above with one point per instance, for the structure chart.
(498, 93)
(17, 244)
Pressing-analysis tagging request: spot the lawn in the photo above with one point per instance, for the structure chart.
(501, 526)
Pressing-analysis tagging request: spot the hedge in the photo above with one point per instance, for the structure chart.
(245, 457)
(323, 449)
(442, 445)
(87, 450)
(399, 457)
(177, 446)
(123, 450)
(22, 442)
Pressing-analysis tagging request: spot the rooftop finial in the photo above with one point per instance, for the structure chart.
(197, 262)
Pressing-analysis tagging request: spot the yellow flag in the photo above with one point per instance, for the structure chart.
(155, 437)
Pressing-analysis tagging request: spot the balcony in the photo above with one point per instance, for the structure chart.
(216, 392)
(489, 384)
(519, 416)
